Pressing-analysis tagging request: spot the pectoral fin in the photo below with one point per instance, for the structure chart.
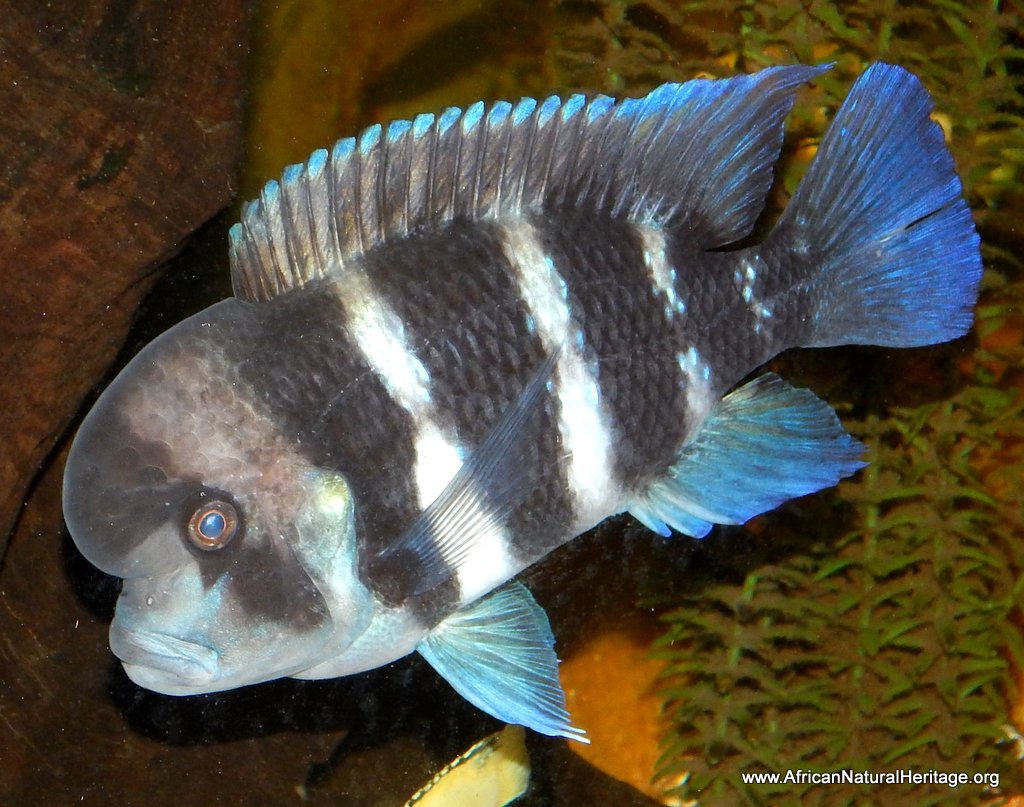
(766, 442)
(498, 653)
(475, 503)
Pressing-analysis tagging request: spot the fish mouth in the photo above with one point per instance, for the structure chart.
(165, 663)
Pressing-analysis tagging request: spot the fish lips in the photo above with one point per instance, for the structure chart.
(164, 663)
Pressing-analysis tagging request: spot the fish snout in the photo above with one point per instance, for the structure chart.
(165, 663)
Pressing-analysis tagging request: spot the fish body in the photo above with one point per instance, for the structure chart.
(460, 341)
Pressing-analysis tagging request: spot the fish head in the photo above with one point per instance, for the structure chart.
(237, 556)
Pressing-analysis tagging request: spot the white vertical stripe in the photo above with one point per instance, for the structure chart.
(663, 276)
(582, 420)
(438, 459)
(380, 337)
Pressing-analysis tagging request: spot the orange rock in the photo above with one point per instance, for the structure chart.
(611, 688)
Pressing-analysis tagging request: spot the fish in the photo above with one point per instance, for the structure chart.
(459, 341)
(491, 773)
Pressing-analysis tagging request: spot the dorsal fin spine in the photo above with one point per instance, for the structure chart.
(317, 176)
(474, 112)
(254, 227)
(448, 212)
(390, 152)
(397, 128)
(479, 173)
(545, 128)
(473, 133)
(369, 138)
(448, 119)
(500, 152)
(567, 136)
(287, 254)
(595, 110)
(339, 154)
(394, 174)
(297, 230)
(270, 199)
(382, 224)
(428, 191)
(409, 210)
(445, 135)
(524, 112)
(503, 154)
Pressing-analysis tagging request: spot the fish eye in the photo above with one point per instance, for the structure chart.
(213, 525)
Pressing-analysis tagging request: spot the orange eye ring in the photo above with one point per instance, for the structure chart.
(213, 525)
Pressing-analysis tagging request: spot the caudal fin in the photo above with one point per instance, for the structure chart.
(881, 217)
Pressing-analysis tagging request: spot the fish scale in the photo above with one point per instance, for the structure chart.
(459, 341)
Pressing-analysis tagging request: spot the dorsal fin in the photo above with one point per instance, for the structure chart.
(697, 155)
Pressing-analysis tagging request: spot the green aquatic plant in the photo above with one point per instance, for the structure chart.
(894, 642)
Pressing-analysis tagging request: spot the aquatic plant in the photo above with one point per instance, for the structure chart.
(892, 648)
(891, 643)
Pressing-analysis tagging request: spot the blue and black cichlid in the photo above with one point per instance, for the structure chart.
(459, 341)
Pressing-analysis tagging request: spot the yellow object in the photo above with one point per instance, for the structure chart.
(492, 773)
(611, 686)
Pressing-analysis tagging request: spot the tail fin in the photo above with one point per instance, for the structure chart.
(880, 214)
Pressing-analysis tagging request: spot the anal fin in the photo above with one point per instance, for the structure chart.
(765, 443)
(498, 653)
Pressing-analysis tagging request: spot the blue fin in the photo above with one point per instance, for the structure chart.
(880, 211)
(486, 488)
(765, 443)
(498, 653)
(698, 156)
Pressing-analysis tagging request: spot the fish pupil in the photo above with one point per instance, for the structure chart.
(212, 526)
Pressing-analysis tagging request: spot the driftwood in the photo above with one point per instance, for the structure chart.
(120, 133)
